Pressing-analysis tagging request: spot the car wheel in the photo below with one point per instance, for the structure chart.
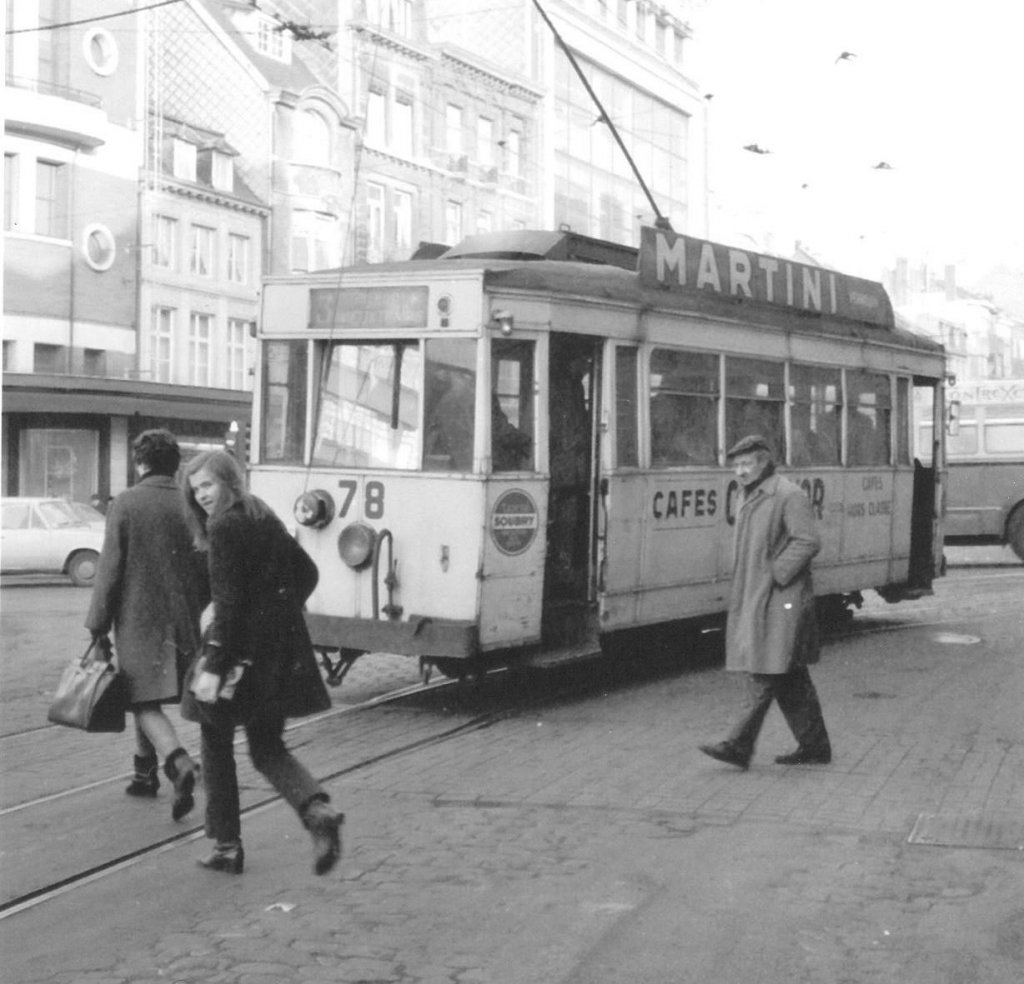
(82, 568)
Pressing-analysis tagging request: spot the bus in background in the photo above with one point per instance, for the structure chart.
(985, 462)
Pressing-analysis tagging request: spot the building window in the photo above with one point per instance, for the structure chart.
(51, 200)
(271, 40)
(238, 259)
(165, 249)
(222, 173)
(161, 339)
(376, 121)
(199, 330)
(94, 362)
(514, 153)
(100, 50)
(183, 161)
(453, 222)
(374, 222)
(453, 129)
(485, 140)
(10, 191)
(484, 221)
(316, 241)
(392, 15)
(9, 353)
(312, 138)
(99, 247)
(402, 128)
(49, 358)
(238, 376)
(201, 259)
(402, 211)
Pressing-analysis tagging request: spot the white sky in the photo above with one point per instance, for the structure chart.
(936, 89)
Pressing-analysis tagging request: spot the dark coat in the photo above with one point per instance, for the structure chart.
(150, 587)
(772, 626)
(260, 578)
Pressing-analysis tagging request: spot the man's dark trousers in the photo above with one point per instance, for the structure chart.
(798, 701)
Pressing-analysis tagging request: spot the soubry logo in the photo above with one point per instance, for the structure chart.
(514, 522)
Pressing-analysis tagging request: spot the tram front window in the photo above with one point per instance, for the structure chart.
(369, 406)
(284, 401)
(449, 404)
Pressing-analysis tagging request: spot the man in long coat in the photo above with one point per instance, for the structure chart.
(771, 633)
(151, 586)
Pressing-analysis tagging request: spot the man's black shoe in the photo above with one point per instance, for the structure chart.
(806, 756)
(725, 752)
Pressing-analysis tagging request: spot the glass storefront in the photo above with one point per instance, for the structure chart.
(63, 463)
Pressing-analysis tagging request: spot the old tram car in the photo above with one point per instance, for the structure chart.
(516, 450)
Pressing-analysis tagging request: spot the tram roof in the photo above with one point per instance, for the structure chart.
(598, 281)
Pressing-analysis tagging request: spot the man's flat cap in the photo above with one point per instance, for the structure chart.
(748, 445)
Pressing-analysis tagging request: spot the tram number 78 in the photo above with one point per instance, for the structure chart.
(373, 498)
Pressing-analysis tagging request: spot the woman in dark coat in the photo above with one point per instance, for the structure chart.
(151, 587)
(260, 578)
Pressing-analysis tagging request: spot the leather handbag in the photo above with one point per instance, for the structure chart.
(92, 694)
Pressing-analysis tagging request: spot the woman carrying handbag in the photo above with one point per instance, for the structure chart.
(260, 579)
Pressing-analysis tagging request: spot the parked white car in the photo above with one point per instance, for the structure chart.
(45, 536)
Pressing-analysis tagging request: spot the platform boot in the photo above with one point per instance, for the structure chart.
(146, 779)
(324, 825)
(181, 770)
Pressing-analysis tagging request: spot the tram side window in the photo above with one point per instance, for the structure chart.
(684, 408)
(814, 415)
(755, 400)
(868, 418)
(369, 407)
(512, 424)
(626, 405)
(449, 400)
(284, 401)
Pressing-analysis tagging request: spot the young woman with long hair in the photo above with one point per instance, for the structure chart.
(259, 579)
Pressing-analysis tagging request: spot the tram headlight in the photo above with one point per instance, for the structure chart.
(314, 509)
(356, 543)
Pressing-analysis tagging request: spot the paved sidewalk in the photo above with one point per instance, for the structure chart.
(591, 843)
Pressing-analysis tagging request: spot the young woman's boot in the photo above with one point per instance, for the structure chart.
(181, 770)
(227, 856)
(146, 780)
(324, 825)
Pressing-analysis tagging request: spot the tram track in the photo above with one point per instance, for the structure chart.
(85, 872)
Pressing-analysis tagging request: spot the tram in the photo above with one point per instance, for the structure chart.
(516, 450)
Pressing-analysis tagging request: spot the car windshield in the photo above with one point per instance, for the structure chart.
(57, 514)
(86, 514)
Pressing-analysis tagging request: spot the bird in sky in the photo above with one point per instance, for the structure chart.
(709, 96)
(882, 166)
(756, 149)
(805, 186)
(845, 56)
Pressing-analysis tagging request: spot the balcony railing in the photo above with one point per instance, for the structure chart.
(52, 89)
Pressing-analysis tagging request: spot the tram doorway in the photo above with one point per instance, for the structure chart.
(569, 603)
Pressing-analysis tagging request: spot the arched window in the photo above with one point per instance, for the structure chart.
(312, 138)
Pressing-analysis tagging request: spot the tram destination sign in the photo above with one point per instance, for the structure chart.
(682, 263)
(362, 308)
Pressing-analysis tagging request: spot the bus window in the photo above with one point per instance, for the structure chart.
(755, 397)
(684, 408)
(815, 409)
(1004, 437)
(626, 406)
(449, 400)
(369, 407)
(868, 418)
(511, 405)
(902, 421)
(284, 401)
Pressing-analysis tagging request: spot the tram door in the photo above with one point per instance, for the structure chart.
(569, 613)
